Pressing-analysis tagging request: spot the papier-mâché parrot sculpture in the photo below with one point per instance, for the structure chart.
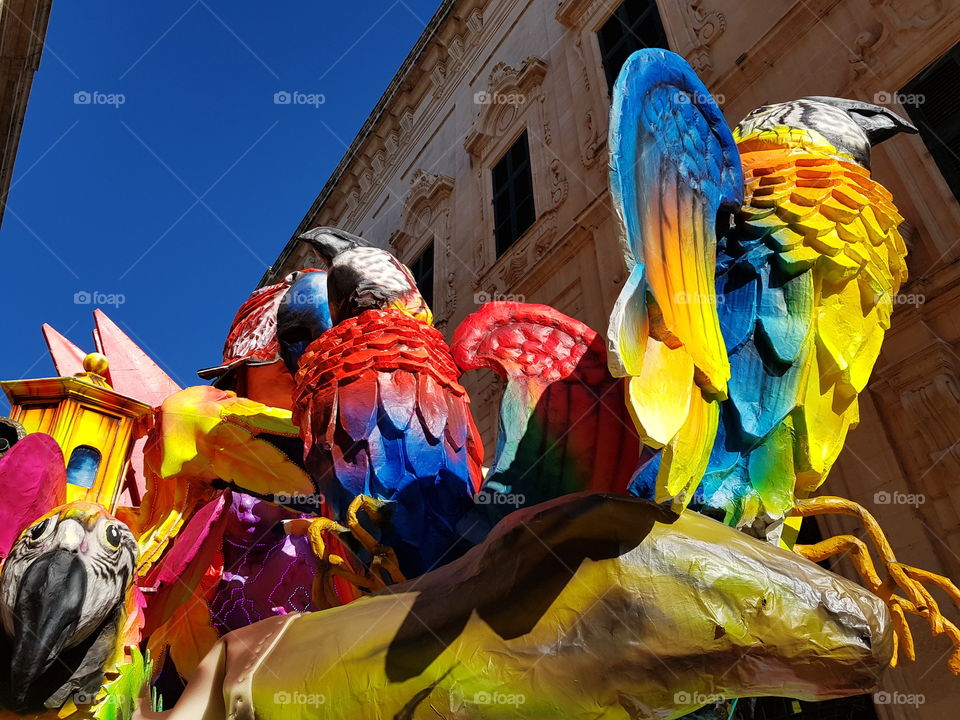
(65, 607)
(380, 410)
(763, 268)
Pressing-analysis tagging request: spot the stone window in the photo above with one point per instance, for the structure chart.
(634, 25)
(931, 100)
(513, 206)
(422, 269)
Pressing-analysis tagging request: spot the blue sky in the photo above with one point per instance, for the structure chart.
(179, 180)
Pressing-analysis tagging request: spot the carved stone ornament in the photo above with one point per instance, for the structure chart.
(510, 91)
(704, 27)
(559, 185)
(424, 213)
(906, 15)
(574, 13)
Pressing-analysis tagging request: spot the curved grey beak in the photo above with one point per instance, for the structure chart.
(330, 242)
(48, 607)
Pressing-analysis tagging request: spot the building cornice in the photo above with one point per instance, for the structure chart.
(429, 62)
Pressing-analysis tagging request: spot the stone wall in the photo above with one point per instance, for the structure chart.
(23, 25)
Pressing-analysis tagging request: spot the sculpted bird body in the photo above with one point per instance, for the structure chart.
(382, 414)
(808, 275)
(379, 407)
(764, 331)
(763, 268)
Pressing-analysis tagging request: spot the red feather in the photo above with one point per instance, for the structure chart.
(392, 378)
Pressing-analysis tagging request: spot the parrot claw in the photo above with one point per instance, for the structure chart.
(331, 565)
(905, 578)
(384, 557)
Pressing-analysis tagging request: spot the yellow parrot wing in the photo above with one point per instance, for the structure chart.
(202, 433)
(674, 167)
(826, 216)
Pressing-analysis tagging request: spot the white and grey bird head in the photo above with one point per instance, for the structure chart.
(850, 126)
(64, 582)
(362, 277)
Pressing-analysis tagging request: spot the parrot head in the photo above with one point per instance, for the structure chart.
(303, 315)
(851, 127)
(272, 325)
(363, 278)
(62, 589)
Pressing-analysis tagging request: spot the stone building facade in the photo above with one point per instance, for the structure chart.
(419, 179)
(23, 26)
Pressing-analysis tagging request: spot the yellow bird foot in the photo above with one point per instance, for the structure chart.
(909, 580)
(384, 557)
(331, 565)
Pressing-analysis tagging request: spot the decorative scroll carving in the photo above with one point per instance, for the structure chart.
(438, 76)
(584, 75)
(406, 120)
(510, 90)
(425, 214)
(863, 51)
(705, 26)
(353, 208)
(514, 268)
(457, 50)
(475, 21)
(479, 261)
(559, 185)
(594, 141)
(450, 297)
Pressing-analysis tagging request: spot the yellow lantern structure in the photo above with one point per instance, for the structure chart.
(94, 425)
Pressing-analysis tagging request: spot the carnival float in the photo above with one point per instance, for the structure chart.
(317, 534)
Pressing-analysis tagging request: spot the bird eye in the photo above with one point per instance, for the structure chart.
(40, 531)
(112, 533)
(36, 532)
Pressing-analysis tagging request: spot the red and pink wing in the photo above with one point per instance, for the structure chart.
(33, 481)
(564, 424)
